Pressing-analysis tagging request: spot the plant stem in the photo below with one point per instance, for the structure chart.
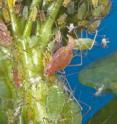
(14, 22)
(46, 29)
(54, 13)
(33, 12)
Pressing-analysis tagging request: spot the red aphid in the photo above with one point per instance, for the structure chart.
(5, 37)
(16, 78)
(61, 58)
(3, 27)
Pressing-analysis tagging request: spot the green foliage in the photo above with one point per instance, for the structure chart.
(54, 103)
(6, 103)
(101, 72)
(106, 115)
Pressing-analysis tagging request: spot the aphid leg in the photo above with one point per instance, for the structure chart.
(86, 34)
(81, 33)
(94, 40)
(99, 36)
(70, 91)
(76, 53)
(76, 34)
(81, 61)
(80, 102)
(62, 72)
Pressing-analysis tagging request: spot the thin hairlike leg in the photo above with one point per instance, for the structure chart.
(61, 72)
(79, 101)
(94, 40)
(81, 61)
(70, 91)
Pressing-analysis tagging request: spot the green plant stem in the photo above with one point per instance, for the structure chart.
(54, 13)
(46, 29)
(28, 27)
(14, 22)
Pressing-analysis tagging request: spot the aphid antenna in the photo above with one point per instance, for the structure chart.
(71, 91)
(76, 55)
(105, 37)
(93, 33)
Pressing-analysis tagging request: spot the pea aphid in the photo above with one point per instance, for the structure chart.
(85, 43)
(61, 58)
(99, 91)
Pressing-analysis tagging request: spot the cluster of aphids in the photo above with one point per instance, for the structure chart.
(62, 55)
(5, 36)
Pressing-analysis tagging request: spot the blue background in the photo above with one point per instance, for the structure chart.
(85, 95)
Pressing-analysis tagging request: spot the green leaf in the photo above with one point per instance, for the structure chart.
(108, 115)
(82, 11)
(5, 92)
(54, 104)
(71, 113)
(102, 72)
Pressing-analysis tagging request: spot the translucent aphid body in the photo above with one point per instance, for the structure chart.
(61, 58)
(104, 42)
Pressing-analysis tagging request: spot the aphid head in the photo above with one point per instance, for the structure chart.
(71, 42)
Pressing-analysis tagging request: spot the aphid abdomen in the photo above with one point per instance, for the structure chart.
(16, 77)
(59, 61)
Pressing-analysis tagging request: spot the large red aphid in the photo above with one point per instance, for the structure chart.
(61, 58)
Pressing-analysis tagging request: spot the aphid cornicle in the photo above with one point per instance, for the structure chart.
(61, 58)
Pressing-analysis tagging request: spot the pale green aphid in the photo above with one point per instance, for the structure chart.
(85, 43)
